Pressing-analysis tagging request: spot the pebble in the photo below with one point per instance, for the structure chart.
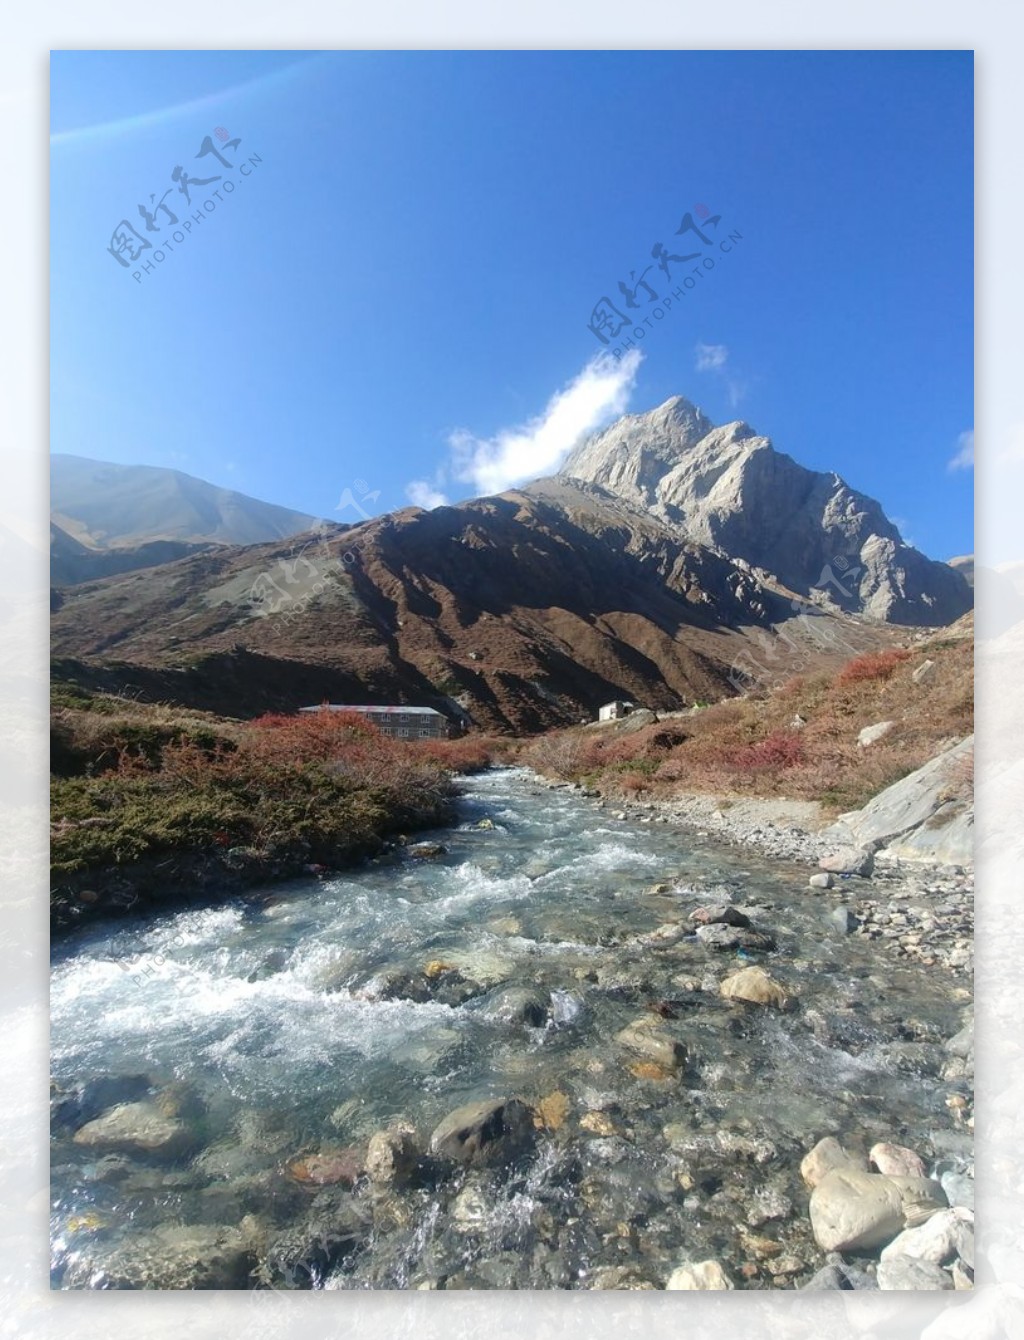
(699, 1275)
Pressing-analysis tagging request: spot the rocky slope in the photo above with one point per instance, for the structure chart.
(525, 610)
(729, 489)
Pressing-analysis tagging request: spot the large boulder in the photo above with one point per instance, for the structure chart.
(919, 817)
(495, 1130)
(853, 1211)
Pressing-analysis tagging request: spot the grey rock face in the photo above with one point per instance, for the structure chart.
(729, 489)
(915, 818)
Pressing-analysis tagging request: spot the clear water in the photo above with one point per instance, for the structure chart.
(268, 1008)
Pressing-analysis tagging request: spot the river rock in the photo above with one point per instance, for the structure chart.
(907, 1272)
(962, 1043)
(83, 1102)
(959, 1189)
(756, 986)
(826, 1156)
(963, 1276)
(849, 861)
(136, 1128)
(895, 1161)
(392, 1155)
(565, 1008)
(840, 1275)
(723, 914)
(175, 1256)
(721, 937)
(424, 851)
(938, 1240)
(599, 1124)
(649, 1039)
(619, 1277)
(328, 1167)
(495, 1130)
(821, 880)
(699, 1275)
(517, 1005)
(842, 920)
(854, 1211)
(871, 734)
(551, 1111)
(470, 1209)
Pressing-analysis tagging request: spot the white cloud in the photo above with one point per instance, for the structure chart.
(598, 394)
(964, 458)
(425, 495)
(711, 357)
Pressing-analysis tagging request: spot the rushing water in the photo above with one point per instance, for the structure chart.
(271, 1014)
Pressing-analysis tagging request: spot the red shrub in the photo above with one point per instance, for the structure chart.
(781, 749)
(873, 665)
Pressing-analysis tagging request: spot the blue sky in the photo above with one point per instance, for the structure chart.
(398, 288)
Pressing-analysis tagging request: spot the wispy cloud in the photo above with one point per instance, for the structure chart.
(964, 457)
(538, 447)
(711, 357)
(424, 494)
(714, 358)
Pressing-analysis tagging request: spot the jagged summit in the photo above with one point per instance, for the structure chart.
(728, 488)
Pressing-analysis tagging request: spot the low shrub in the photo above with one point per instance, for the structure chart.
(873, 665)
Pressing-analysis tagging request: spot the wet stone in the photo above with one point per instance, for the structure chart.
(487, 1132)
(721, 938)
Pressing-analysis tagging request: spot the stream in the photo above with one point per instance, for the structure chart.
(260, 1043)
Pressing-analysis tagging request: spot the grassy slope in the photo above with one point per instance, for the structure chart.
(754, 746)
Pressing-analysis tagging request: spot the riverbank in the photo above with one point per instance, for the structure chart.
(152, 806)
(922, 910)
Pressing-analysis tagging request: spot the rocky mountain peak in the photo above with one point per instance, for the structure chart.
(729, 489)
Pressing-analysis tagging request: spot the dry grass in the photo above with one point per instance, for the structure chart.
(759, 747)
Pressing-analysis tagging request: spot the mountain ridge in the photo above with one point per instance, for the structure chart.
(104, 506)
(728, 487)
